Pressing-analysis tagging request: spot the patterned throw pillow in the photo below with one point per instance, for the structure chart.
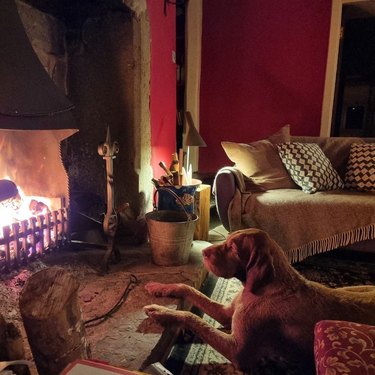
(309, 167)
(360, 171)
(346, 346)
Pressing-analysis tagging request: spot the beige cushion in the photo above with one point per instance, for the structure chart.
(260, 162)
(281, 136)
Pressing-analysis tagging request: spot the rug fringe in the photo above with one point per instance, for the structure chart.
(339, 240)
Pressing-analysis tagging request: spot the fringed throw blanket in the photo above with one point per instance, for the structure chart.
(306, 224)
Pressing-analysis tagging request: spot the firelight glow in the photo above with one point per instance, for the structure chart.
(20, 209)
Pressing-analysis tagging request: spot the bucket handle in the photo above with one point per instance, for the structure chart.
(181, 203)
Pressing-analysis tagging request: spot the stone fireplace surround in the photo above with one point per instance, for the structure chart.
(98, 53)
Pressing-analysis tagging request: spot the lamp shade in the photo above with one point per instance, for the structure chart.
(192, 137)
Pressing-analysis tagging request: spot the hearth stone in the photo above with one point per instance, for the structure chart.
(126, 339)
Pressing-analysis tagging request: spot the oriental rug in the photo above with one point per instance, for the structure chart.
(190, 356)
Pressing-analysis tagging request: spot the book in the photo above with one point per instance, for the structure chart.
(90, 367)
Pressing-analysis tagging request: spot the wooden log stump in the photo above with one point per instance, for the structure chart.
(52, 319)
(3, 347)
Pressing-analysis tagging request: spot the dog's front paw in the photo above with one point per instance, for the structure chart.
(163, 315)
(164, 290)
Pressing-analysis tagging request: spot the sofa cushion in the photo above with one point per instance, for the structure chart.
(309, 167)
(260, 162)
(281, 136)
(336, 149)
(344, 348)
(360, 173)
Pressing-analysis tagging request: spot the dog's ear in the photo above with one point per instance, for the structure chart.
(259, 267)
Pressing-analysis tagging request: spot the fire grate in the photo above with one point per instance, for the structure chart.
(26, 240)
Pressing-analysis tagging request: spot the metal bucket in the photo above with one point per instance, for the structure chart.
(171, 236)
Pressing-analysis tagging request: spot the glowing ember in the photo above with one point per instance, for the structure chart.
(31, 226)
(22, 207)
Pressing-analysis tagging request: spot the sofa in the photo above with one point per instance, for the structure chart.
(269, 187)
(344, 348)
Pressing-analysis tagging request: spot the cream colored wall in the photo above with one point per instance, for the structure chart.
(193, 67)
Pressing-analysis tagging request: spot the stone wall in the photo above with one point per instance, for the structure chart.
(103, 67)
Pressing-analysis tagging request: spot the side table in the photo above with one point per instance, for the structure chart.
(202, 209)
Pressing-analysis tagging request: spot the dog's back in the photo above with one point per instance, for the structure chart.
(355, 304)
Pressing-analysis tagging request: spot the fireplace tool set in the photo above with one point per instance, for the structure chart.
(108, 151)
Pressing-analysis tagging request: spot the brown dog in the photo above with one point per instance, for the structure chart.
(275, 313)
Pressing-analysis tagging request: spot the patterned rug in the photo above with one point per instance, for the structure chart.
(190, 356)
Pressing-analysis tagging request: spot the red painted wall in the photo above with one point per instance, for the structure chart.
(163, 83)
(263, 65)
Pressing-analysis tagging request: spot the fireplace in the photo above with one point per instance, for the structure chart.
(35, 195)
(24, 240)
(34, 118)
(97, 53)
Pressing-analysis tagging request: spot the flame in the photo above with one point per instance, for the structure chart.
(20, 208)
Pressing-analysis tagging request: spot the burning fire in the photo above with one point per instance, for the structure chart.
(21, 207)
(30, 223)
(22, 232)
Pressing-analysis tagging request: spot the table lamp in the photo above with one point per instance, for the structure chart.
(192, 138)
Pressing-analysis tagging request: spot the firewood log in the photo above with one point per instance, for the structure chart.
(3, 330)
(52, 319)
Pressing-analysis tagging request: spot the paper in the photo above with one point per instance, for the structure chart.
(86, 367)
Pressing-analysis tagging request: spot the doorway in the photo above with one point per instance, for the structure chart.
(353, 111)
(339, 118)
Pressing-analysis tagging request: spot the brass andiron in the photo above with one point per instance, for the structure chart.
(108, 151)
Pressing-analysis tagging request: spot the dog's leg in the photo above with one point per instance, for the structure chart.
(221, 313)
(359, 288)
(224, 343)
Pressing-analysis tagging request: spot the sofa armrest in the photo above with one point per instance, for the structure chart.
(224, 190)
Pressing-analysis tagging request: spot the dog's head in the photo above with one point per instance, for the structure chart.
(246, 255)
